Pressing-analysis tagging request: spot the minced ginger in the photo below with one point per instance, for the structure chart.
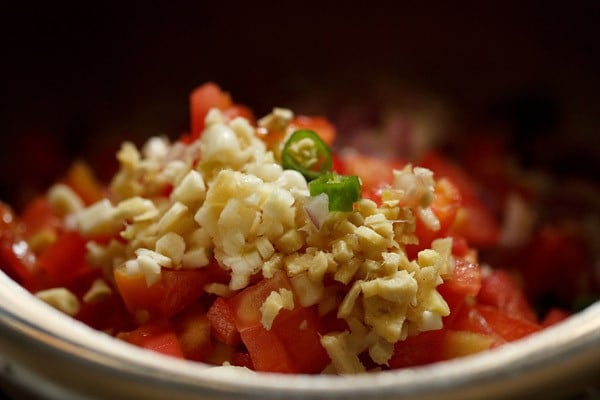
(231, 200)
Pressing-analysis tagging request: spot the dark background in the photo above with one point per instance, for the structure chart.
(80, 77)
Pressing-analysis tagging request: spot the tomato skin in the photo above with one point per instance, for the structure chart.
(501, 291)
(172, 293)
(158, 336)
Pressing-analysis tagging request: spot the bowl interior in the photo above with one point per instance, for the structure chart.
(38, 340)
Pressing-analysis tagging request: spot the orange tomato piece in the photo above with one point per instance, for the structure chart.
(176, 290)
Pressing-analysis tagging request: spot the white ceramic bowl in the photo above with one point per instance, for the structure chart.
(48, 354)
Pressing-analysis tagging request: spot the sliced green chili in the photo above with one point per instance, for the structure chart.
(307, 153)
(342, 190)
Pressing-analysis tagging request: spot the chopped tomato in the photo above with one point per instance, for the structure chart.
(202, 99)
(474, 221)
(465, 281)
(298, 330)
(445, 205)
(338, 164)
(222, 322)
(432, 346)
(242, 359)
(38, 216)
(19, 262)
(216, 273)
(65, 259)
(499, 289)
(488, 320)
(424, 348)
(16, 257)
(554, 316)
(208, 96)
(175, 290)
(192, 328)
(108, 314)
(159, 337)
(238, 110)
(374, 173)
(463, 343)
(557, 263)
(292, 344)
(220, 353)
(509, 327)
(266, 351)
(460, 247)
(246, 304)
(318, 124)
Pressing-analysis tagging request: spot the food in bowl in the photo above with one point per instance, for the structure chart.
(252, 243)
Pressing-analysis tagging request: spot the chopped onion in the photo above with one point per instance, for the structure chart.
(317, 209)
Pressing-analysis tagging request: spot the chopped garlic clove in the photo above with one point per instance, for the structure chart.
(64, 200)
(172, 246)
(60, 298)
(282, 299)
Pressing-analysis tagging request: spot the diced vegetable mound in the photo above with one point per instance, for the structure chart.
(246, 243)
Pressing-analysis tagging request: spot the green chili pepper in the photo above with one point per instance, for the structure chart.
(306, 152)
(342, 190)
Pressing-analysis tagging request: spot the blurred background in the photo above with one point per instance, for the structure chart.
(80, 77)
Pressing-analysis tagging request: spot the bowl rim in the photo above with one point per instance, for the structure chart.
(575, 343)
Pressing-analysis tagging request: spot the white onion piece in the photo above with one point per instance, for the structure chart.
(317, 209)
